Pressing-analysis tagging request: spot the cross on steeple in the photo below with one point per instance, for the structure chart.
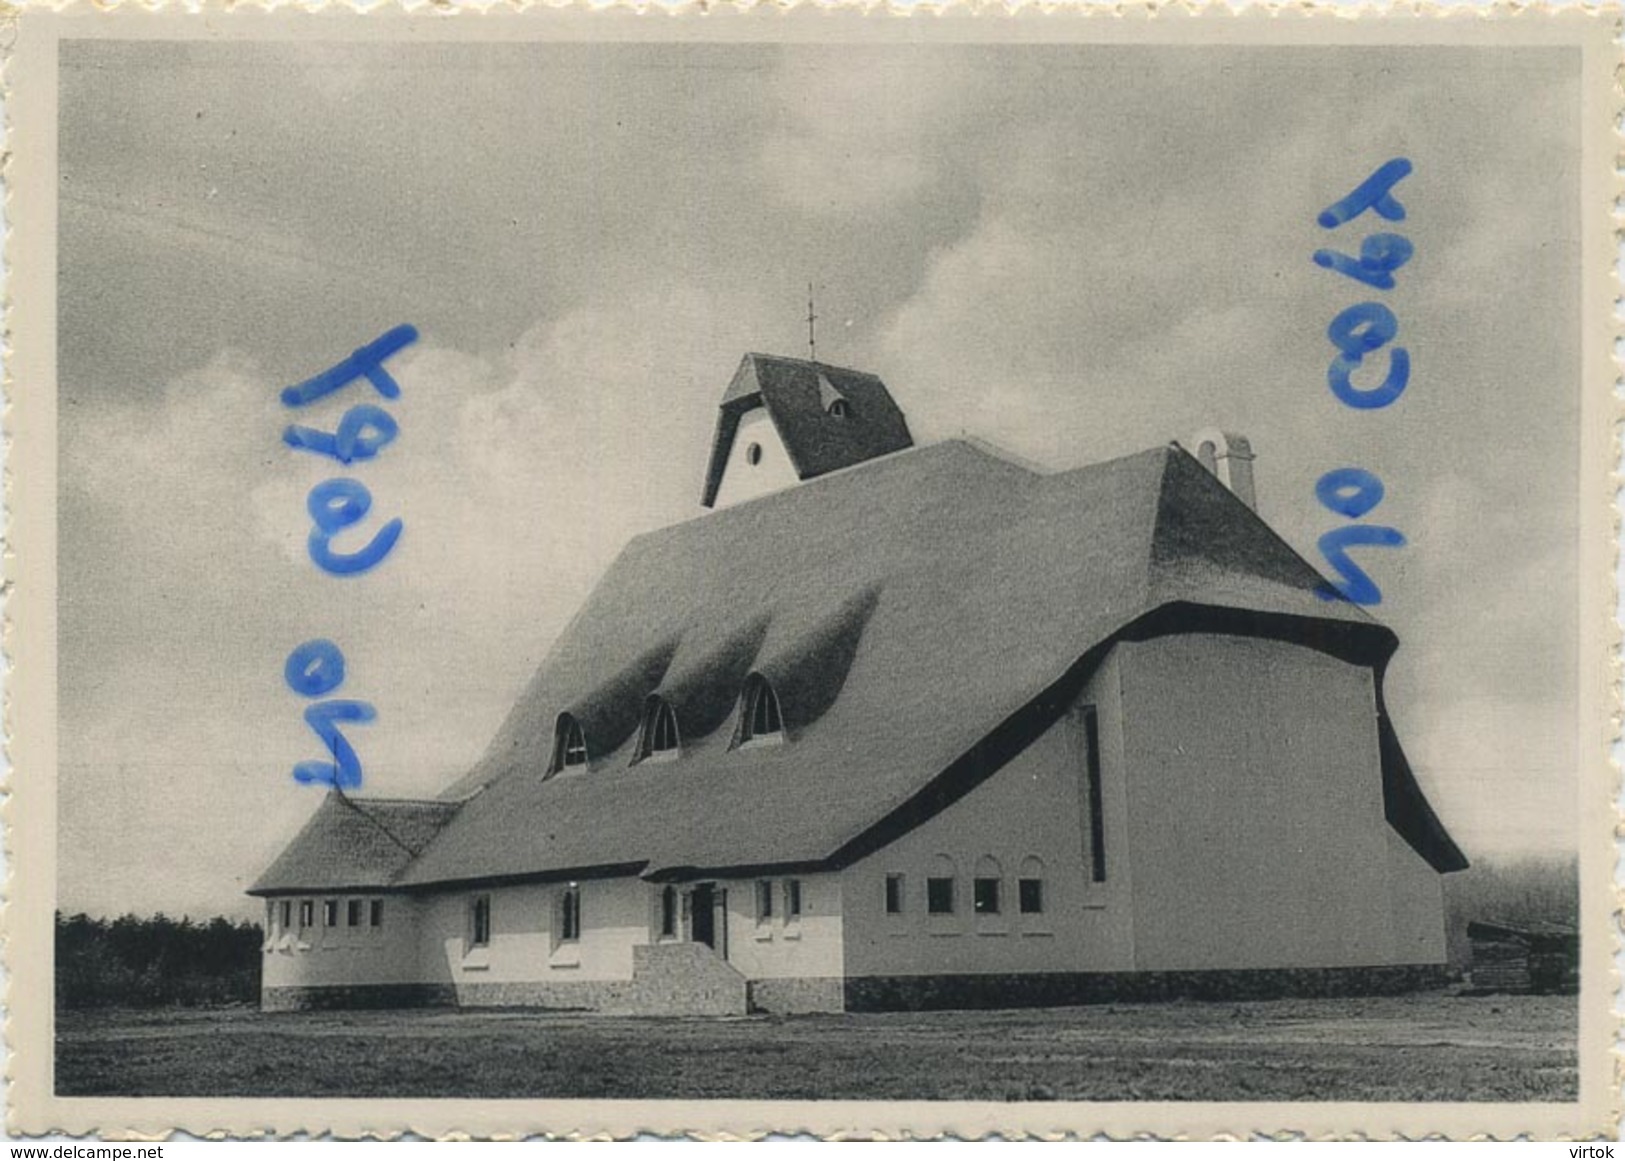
(812, 337)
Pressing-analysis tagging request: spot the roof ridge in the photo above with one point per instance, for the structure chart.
(989, 448)
(1154, 497)
(891, 457)
(387, 833)
(1252, 517)
(818, 363)
(372, 798)
(1149, 498)
(1144, 453)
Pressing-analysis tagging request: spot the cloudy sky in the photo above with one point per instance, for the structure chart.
(1074, 253)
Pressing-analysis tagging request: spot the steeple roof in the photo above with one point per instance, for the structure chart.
(798, 395)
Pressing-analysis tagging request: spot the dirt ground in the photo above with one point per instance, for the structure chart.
(1429, 1046)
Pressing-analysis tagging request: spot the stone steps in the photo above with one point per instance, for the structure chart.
(684, 979)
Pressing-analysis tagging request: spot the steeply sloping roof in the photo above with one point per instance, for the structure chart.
(906, 613)
(355, 843)
(797, 395)
(921, 619)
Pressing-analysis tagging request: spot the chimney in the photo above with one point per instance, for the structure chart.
(1230, 458)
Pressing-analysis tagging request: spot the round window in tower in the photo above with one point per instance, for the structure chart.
(753, 454)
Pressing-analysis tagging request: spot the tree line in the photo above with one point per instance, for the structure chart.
(154, 962)
(1532, 889)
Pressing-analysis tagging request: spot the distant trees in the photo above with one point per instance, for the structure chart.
(135, 962)
(1510, 890)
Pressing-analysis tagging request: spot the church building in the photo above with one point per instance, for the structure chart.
(896, 727)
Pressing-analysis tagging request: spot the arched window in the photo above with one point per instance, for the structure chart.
(668, 913)
(659, 738)
(569, 745)
(987, 886)
(838, 409)
(939, 887)
(759, 716)
(567, 919)
(1030, 886)
(479, 921)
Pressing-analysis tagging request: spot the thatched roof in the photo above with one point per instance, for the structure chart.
(357, 843)
(922, 618)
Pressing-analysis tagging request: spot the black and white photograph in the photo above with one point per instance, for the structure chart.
(1005, 563)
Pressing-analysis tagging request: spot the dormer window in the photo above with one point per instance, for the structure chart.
(569, 745)
(759, 718)
(830, 398)
(659, 738)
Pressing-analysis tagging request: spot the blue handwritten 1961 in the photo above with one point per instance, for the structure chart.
(1359, 333)
(316, 668)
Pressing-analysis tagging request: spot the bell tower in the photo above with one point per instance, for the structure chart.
(782, 421)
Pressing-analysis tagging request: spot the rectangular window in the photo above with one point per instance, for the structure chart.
(570, 915)
(894, 894)
(985, 896)
(287, 914)
(330, 913)
(352, 913)
(479, 921)
(376, 918)
(792, 899)
(668, 912)
(939, 896)
(1030, 896)
(764, 901)
(1097, 822)
(307, 913)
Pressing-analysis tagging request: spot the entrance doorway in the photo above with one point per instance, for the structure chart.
(708, 922)
(702, 904)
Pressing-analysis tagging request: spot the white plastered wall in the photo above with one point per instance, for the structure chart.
(524, 945)
(1416, 900)
(322, 956)
(1256, 810)
(1244, 828)
(808, 947)
(428, 940)
(773, 472)
(1036, 806)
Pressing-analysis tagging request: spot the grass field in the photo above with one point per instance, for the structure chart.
(1431, 1046)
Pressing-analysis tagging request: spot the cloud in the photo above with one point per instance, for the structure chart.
(518, 476)
(1069, 337)
(862, 135)
(1470, 750)
(1075, 253)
